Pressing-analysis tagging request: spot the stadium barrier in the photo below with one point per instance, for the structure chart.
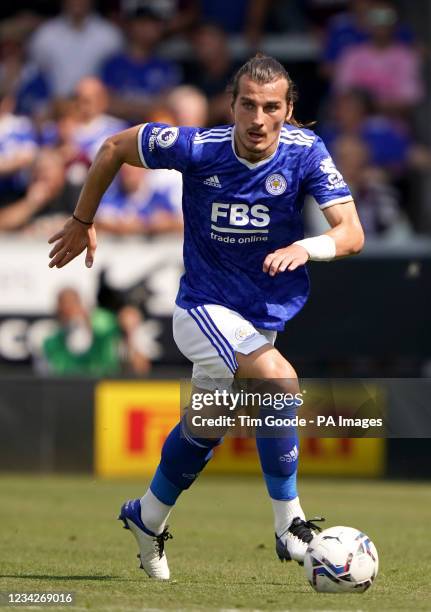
(116, 429)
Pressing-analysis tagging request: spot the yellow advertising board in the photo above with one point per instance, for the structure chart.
(133, 418)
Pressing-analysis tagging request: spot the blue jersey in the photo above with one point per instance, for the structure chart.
(16, 136)
(236, 212)
(133, 78)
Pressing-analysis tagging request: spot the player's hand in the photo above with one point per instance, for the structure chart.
(289, 258)
(70, 242)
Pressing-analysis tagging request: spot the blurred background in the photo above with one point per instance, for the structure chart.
(74, 72)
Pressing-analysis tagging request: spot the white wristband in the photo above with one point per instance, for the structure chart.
(319, 248)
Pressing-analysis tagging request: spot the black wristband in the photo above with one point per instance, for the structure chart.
(81, 221)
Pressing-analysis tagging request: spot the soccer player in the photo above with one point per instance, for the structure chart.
(243, 192)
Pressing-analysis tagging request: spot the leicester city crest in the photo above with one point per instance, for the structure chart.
(276, 184)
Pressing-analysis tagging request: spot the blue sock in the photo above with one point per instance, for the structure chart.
(183, 458)
(279, 456)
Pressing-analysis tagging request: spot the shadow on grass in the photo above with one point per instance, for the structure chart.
(69, 577)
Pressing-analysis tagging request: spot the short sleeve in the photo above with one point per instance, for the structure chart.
(164, 146)
(321, 178)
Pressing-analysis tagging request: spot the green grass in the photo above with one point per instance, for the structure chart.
(59, 534)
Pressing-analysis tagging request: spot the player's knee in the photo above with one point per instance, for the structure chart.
(275, 367)
(266, 363)
(279, 371)
(199, 442)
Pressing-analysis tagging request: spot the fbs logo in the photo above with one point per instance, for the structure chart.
(239, 215)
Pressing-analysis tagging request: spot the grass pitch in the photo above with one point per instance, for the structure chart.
(60, 534)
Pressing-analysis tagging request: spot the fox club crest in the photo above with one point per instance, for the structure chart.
(276, 184)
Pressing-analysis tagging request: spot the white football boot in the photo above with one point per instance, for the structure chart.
(293, 543)
(151, 546)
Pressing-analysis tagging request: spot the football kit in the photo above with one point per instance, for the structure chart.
(235, 213)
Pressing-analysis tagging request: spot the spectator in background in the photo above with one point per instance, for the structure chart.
(45, 196)
(93, 124)
(18, 150)
(212, 69)
(245, 17)
(86, 342)
(388, 141)
(377, 201)
(389, 70)
(188, 106)
(137, 77)
(94, 342)
(178, 15)
(76, 158)
(20, 75)
(73, 45)
(134, 360)
(148, 202)
(351, 28)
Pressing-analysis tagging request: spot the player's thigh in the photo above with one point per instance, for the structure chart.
(212, 336)
(213, 358)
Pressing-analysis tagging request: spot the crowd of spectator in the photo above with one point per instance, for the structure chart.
(74, 72)
(70, 80)
(374, 67)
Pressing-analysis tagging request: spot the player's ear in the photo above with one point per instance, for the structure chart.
(289, 112)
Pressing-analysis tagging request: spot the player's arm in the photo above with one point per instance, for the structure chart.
(346, 237)
(324, 182)
(78, 232)
(346, 229)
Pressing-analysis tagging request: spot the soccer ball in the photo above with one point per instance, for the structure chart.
(341, 560)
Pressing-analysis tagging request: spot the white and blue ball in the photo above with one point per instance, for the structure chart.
(341, 560)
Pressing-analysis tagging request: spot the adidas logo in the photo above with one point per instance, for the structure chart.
(213, 181)
(290, 456)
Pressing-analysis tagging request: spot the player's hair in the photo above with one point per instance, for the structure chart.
(264, 69)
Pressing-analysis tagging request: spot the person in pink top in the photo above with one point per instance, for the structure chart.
(388, 69)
